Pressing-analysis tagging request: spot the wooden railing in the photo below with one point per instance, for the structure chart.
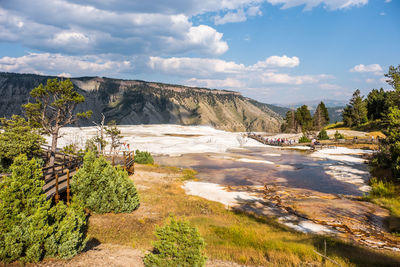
(57, 177)
(129, 162)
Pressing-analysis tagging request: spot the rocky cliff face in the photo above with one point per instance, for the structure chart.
(138, 102)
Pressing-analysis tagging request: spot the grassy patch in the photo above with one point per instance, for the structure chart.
(233, 236)
(385, 194)
(338, 125)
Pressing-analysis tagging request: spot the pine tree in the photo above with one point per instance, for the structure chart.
(303, 118)
(290, 124)
(53, 108)
(321, 117)
(377, 104)
(355, 112)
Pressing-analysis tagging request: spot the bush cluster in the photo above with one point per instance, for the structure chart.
(143, 157)
(178, 244)
(338, 135)
(304, 139)
(30, 229)
(102, 188)
(323, 135)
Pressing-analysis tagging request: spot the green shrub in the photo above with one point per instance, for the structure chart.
(338, 135)
(304, 139)
(103, 188)
(143, 157)
(382, 188)
(178, 244)
(30, 228)
(323, 135)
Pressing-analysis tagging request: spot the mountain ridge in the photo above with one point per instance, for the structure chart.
(141, 102)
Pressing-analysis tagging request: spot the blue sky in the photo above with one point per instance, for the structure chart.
(275, 51)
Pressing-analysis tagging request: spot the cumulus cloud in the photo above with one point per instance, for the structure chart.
(328, 4)
(278, 61)
(372, 68)
(156, 28)
(62, 26)
(46, 63)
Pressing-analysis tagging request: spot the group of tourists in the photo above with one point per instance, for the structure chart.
(274, 141)
(280, 141)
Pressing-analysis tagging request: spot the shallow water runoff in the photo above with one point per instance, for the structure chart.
(318, 171)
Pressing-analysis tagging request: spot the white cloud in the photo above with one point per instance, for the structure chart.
(370, 80)
(328, 4)
(216, 83)
(382, 14)
(46, 63)
(77, 28)
(152, 28)
(206, 67)
(229, 17)
(388, 1)
(279, 62)
(373, 68)
(220, 73)
(238, 15)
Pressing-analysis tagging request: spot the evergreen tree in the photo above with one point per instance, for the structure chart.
(290, 124)
(321, 116)
(377, 104)
(355, 113)
(389, 154)
(303, 118)
(53, 108)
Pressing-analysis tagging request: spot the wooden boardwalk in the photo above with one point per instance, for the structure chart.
(323, 143)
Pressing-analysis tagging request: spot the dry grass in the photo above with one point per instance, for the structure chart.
(237, 237)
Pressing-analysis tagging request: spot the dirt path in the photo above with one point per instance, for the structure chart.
(107, 255)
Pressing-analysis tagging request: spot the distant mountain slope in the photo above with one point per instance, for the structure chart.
(140, 102)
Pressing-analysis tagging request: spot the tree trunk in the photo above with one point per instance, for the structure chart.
(54, 139)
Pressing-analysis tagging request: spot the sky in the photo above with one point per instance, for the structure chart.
(274, 51)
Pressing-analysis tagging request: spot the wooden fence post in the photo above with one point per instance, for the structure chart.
(57, 196)
(124, 160)
(133, 164)
(68, 190)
